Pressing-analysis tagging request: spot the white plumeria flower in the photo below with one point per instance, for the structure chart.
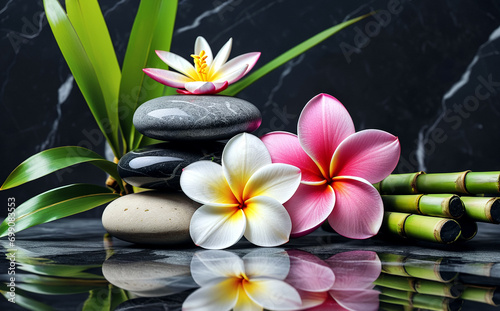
(243, 196)
(208, 75)
(252, 283)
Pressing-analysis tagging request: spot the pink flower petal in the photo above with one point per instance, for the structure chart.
(309, 273)
(284, 147)
(167, 77)
(247, 60)
(355, 269)
(178, 63)
(201, 87)
(309, 207)
(231, 77)
(221, 57)
(358, 208)
(369, 154)
(366, 300)
(323, 124)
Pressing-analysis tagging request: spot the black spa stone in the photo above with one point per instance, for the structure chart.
(196, 117)
(160, 166)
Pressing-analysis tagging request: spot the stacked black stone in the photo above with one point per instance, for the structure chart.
(193, 128)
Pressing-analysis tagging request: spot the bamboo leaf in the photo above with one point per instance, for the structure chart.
(82, 69)
(51, 160)
(105, 299)
(57, 203)
(234, 89)
(152, 30)
(24, 301)
(88, 22)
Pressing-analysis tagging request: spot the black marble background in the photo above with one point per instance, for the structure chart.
(426, 71)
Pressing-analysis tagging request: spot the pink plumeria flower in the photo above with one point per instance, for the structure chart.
(209, 75)
(253, 282)
(241, 197)
(338, 168)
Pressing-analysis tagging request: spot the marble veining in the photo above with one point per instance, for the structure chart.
(426, 130)
(63, 93)
(197, 20)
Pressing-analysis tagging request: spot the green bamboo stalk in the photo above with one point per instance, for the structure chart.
(432, 269)
(393, 223)
(483, 209)
(450, 290)
(433, 229)
(426, 302)
(441, 205)
(396, 282)
(483, 182)
(399, 184)
(395, 293)
(488, 295)
(436, 303)
(468, 228)
(386, 306)
(418, 227)
(393, 264)
(442, 183)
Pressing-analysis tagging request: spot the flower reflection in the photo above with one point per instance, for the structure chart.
(342, 282)
(253, 282)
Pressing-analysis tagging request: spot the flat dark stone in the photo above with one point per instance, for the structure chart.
(160, 166)
(196, 117)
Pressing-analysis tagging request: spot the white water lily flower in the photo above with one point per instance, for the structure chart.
(242, 197)
(209, 75)
(253, 282)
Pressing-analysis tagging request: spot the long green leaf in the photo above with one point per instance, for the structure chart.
(288, 55)
(57, 203)
(51, 160)
(152, 30)
(24, 301)
(88, 22)
(82, 69)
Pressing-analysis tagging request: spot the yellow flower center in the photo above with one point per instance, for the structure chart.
(244, 277)
(200, 64)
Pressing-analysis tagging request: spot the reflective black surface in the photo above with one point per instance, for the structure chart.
(73, 265)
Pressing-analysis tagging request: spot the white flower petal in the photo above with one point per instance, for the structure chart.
(267, 262)
(201, 87)
(178, 63)
(277, 180)
(202, 45)
(167, 77)
(268, 222)
(247, 60)
(221, 57)
(243, 155)
(207, 266)
(217, 227)
(232, 77)
(204, 182)
(245, 303)
(220, 295)
(273, 294)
